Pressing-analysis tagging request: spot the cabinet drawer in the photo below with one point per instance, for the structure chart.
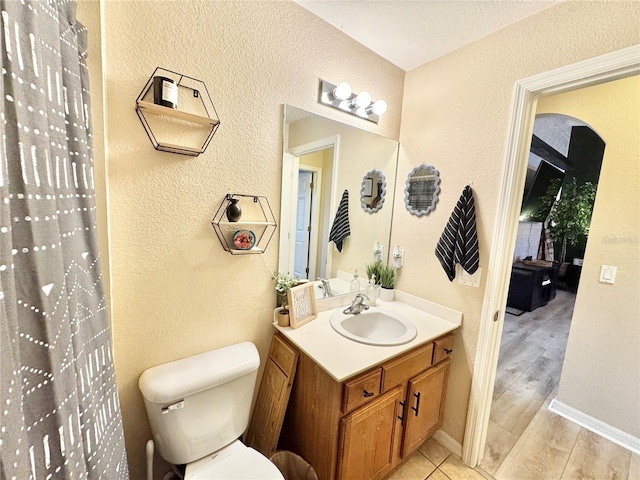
(443, 348)
(361, 390)
(397, 371)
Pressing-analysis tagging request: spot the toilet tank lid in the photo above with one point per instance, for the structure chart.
(175, 380)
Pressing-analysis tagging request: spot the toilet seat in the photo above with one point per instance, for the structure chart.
(235, 461)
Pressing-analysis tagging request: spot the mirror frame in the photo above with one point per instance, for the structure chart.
(383, 190)
(436, 194)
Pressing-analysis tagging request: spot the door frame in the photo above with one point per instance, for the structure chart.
(605, 68)
(291, 166)
(315, 217)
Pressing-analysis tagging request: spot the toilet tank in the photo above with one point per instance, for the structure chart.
(200, 404)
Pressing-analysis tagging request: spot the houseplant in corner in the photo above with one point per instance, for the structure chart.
(570, 214)
(387, 282)
(284, 281)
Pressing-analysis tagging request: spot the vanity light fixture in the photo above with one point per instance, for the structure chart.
(342, 97)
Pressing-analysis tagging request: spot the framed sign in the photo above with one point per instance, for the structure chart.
(302, 304)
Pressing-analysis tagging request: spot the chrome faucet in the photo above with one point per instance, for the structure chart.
(358, 305)
(325, 287)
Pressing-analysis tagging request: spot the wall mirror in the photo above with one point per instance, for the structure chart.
(321, 159)
(373, 191)
(422, 189)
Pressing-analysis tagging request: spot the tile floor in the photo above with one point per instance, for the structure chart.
(434, 462)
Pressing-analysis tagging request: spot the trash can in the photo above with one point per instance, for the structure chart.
(293, 466)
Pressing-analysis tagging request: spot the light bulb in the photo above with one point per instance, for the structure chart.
(361, 112)
(363, 99)
(379, 107)
(342, 91)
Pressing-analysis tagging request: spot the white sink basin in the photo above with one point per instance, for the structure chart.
(375, 326)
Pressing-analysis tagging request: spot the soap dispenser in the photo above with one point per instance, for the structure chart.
(355, 283)
(371, 292)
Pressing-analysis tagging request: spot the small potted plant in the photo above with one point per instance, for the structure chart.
(284, 281)
(373, 269)
(387, 282)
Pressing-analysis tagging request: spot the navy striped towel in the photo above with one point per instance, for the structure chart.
(340, 229)
(459, 241)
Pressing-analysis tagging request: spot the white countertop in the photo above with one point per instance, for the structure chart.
(343, 358)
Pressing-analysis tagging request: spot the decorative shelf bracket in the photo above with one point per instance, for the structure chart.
(195, 114)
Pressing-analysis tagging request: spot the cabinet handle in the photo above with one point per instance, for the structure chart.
(417, 407)
(366, 394)
(401, 417)
(448, 350)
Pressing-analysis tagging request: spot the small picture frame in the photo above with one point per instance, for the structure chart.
(302, 305)
(367, 187)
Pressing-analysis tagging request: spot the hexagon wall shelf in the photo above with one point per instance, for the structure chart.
(195, 111)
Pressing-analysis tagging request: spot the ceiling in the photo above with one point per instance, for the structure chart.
(410, 33)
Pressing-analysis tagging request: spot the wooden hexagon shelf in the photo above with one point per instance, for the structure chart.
(194, 122)
(256, 218)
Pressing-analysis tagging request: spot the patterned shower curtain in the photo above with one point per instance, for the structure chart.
(60, 412)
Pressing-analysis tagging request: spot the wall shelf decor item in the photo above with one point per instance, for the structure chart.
(248, 232)
(422, 189)
(172, 105)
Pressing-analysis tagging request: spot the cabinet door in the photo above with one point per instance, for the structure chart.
(367, 438)
(424, 406)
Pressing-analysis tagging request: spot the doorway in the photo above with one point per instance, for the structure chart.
(541, 294)
(616, 65)
(304, 236)
(307, 224)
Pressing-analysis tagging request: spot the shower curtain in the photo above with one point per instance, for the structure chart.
(60, 412)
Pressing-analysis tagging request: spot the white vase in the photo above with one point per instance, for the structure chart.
(386, 294)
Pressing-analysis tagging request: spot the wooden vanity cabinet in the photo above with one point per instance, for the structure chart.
(362, 428)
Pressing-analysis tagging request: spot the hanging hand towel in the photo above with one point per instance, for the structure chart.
(340, 229)
(459, 241)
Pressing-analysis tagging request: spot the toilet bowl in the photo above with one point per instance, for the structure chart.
(199, 406)
(235, 461)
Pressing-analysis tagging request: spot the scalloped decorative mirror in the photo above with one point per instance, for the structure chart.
(422, 189)
(373, 191)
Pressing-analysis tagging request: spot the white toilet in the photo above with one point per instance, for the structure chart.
(199, 406)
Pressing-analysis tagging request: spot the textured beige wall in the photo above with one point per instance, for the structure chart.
(455, 116)
(601, 372)
(175, 292)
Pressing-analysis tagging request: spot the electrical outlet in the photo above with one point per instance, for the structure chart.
(468, 279)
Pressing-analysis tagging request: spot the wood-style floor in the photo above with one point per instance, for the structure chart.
(527, 441)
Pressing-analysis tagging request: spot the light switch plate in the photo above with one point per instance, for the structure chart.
(468, 279)
(608, 274)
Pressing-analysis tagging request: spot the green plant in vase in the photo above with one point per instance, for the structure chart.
(284, 282)
(372, 269)
(387, 282)
(387, 277)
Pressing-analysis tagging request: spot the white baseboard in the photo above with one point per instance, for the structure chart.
(448, 442)
(605, 430)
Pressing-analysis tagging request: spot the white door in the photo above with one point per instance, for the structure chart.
(303, 223)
